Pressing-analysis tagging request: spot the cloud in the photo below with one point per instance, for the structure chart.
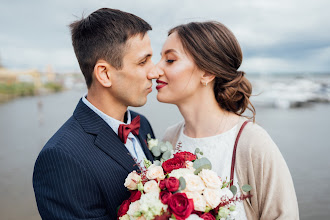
(274, 35)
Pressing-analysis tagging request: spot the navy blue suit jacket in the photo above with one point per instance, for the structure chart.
(80, 172)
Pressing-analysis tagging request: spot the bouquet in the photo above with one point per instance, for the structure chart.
(178, 186)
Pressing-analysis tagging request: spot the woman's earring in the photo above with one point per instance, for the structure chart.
(204, 83)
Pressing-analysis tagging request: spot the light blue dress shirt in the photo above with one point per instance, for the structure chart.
(133, 144)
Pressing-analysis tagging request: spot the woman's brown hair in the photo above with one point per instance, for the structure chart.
(216, 50)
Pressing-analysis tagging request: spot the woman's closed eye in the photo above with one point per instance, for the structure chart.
(169, 61)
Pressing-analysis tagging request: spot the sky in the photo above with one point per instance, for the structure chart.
(282, 36)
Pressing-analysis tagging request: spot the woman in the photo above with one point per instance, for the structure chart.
(198, 72)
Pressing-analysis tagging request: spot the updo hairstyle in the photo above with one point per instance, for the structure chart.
(215, 50)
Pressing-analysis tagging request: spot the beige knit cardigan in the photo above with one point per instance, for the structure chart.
(260, 164)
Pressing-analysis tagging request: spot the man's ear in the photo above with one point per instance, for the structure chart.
(207, 78)
(102, 73)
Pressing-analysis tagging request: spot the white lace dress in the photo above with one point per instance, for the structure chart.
(219, 150)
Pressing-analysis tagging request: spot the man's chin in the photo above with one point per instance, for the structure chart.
(140, 103)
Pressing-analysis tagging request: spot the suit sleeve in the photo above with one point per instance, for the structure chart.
(64, 189)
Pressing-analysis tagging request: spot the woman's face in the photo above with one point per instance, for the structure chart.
(179, 77)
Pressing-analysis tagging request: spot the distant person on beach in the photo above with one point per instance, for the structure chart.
(198, 72)
(80, 172)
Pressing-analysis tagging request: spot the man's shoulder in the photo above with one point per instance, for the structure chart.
(70, 133)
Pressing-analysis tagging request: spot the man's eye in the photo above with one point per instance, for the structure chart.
(143, 62)
(170, 61)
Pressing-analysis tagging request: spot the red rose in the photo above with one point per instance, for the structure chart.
(180, 206)
(186, 156)
(172, 184)
(135, 195)
(123, 208)
(173, 164)
(162, 184)
(164, 196)
(207, 216)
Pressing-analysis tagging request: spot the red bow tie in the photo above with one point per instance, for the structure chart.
(124, 130)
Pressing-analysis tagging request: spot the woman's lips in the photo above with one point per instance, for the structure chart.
(161, 84)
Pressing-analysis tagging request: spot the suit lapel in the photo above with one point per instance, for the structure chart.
(108, 141)
(106, 138)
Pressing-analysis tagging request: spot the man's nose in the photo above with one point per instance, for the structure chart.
(155, 72)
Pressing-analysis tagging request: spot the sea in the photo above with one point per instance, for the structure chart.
(300, 131)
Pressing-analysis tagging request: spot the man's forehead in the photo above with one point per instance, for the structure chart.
(138, 46)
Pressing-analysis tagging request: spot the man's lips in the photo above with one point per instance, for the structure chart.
(161, 84)
(149, 88)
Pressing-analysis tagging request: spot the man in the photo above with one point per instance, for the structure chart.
(80, 172)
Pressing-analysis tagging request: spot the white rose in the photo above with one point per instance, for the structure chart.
(132, 180)
(151, 205)
(152, 143)
(225, 193)
(212, 197)
(133, 208)
(232, 215)
(155, 172)
(181, 172)
(199, 201)
(124, 217)
(190, 165)
(194, 217)
(210, 179)
(151, 186)
(193, 183)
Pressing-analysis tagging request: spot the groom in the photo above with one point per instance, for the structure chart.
(80, 172)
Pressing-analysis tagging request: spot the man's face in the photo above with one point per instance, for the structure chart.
(131, 85)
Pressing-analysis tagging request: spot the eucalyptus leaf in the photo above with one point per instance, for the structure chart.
(205, 166)
(182, 183)
(233, 189)
(197, 150)
(156, 151)
(163, 148)
(169, 145)
(201, 153)
(166, 155)
(157, 163)
(148, 136)
(246, 188)
(201, 162)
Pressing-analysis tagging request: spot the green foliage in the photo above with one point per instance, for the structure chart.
(182, 183)
(202, 163)
(246, 188)
(156, 151)
(233, 189)
(55, 87)
(18, 89)
(166, 155)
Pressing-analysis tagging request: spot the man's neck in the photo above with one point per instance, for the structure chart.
(107, 104)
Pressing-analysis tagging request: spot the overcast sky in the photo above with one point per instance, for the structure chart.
(275, 36)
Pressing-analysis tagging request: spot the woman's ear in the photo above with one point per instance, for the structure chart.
(102, 73)
(207, 78)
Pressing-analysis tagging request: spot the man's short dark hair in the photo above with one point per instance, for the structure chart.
(103, 35)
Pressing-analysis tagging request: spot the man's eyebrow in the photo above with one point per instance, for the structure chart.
(145, 56)
(168, 51)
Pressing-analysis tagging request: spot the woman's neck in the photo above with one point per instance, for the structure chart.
(205, 118)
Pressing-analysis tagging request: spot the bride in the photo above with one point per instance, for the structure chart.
(198, 73)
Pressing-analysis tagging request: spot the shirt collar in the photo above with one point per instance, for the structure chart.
(113, 123)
